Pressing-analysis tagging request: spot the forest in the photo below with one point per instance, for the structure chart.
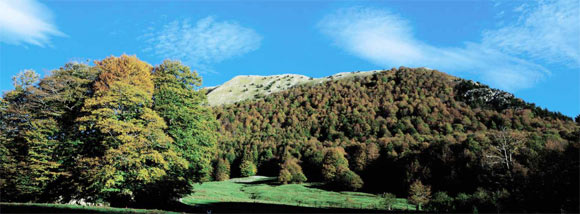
(451, 144)
(130, 134)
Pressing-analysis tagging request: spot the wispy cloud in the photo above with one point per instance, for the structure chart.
(387, 39)
(202, 44)
(545, 30)
(26, 21)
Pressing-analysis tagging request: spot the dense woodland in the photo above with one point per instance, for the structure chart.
(443, 142)
(125, 132)
(120, 131)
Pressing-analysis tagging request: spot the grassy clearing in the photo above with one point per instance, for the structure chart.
(266, 190)
(67, 208)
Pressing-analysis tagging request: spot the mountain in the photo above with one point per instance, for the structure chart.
(247, 87)
(402, 131)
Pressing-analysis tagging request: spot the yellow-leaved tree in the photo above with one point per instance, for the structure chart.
(130, 155)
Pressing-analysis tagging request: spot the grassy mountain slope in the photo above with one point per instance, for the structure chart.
(248, 87)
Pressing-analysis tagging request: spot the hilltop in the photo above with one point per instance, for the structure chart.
(247, 87)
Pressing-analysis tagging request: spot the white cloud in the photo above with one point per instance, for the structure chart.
(547, 30)
(205, 43)
(26, 21)
(387, 40)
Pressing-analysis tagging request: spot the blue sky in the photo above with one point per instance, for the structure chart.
(531, 49)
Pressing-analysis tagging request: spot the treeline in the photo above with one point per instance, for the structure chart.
(472, 147)
(120, 131)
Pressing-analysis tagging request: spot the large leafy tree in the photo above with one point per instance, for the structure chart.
(37, 130)
(191, 123)
(28, 137)
(130, 155)
(64, 92)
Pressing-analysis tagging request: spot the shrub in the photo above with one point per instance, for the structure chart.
(248, 168)
(463, 203)
(388, 200)
(441, 202)
(291, 172)
(222, 170)
(349, 180)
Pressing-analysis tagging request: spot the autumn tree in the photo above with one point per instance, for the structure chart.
(335, 170)
(131, 155)
(291, 172)
(362, 155)
(333, 162)
(222, 170)
(419, 194)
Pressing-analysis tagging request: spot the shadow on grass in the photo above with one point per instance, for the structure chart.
(220, 207)
(269, 182)
(244, 207)
(325, 187)
(24, 208)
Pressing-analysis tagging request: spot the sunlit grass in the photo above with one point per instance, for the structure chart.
(269, 192)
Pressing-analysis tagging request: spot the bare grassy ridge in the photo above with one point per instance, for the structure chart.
(246, 87)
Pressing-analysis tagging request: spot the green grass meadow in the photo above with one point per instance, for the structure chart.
(266, 190)
(250, 194)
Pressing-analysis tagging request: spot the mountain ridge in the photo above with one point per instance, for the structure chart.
(246, 87)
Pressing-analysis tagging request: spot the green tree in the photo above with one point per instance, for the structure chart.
(28, 137)
(441, 202)
(349, 180)
(191, 123)
(64, 92)
(248, 168)
(389, 200)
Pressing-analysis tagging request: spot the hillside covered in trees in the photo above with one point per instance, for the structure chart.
(127, 133)
(453, 144)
